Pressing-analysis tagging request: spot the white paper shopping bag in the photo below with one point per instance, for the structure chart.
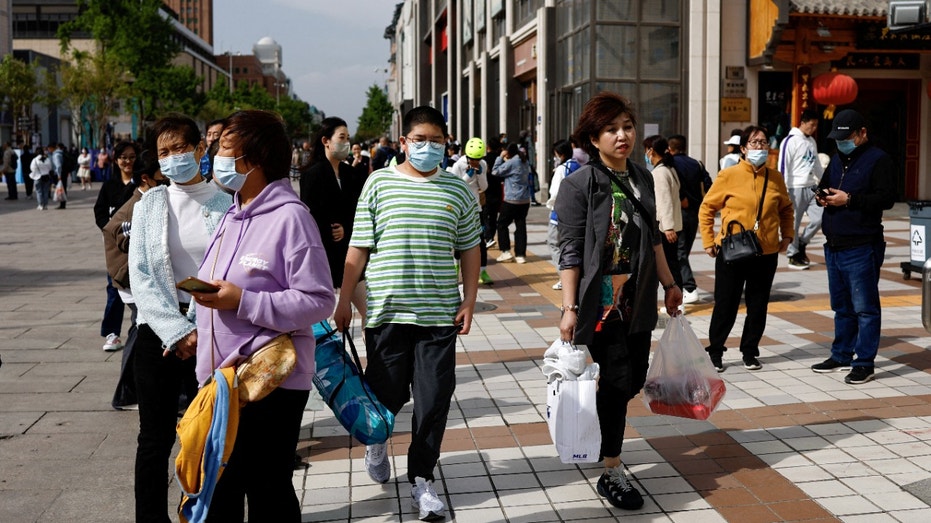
(573, 420)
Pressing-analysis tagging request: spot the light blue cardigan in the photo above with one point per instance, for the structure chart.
(153, 281)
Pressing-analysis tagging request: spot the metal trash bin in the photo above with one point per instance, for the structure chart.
(919, 213)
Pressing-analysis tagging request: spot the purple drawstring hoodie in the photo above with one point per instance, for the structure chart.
(272, 250)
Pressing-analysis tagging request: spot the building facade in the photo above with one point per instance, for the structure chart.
(699, 69)
(35, 25)
(196, 15)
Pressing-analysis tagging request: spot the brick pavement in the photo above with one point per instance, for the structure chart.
(786, 444)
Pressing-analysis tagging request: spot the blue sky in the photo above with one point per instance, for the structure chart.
(333, 51)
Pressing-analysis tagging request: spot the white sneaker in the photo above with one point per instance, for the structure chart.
(506, 256)
(520, 259)
(557, 286)
(424, 498)
(490, 243)
(376, 462)
(113, 343)
(690, 296)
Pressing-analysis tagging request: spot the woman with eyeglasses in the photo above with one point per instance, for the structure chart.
(114, 192)
(737, 194)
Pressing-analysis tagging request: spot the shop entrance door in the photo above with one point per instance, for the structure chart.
(892, 110)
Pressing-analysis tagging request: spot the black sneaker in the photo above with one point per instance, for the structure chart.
(615, 486)
(716, 362)
(859, 375)
(829, 365)
(798, 263)
(751, 363)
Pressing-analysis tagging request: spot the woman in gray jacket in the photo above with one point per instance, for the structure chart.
(610, 260)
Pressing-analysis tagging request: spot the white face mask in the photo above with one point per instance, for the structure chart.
(340, 150)
(757, 156)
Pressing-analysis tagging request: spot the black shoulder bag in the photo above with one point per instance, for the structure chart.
(744, 244)
(648, 218)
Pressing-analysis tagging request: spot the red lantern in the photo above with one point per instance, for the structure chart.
(834, 89)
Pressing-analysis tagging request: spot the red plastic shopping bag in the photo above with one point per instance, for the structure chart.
(681, 380)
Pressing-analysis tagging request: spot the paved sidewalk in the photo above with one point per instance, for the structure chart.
(786, 444)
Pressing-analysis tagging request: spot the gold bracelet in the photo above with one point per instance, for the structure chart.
(574, 308)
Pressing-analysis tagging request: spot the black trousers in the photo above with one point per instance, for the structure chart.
(262, 462)
(670, 252)
(11, 185)
(125, 393)
(159, 381)
(517, 213)
(490, 217)
(753, 279)
(624, 359)
(405, 359)
(684, 249)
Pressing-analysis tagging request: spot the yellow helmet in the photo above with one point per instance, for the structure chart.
(475, 148)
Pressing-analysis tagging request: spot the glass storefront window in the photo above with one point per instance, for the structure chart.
(618, 11)
(637, 52)
(660, 10)
(615, 52)
(659, 52)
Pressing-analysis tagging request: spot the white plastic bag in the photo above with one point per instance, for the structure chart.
(570, 404)
(681, 380)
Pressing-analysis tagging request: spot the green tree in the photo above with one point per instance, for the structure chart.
(19, 88)
(140, 41)
(296, 116)
(91, 91)
(376, 116)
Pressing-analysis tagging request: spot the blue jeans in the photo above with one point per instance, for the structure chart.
(43, 186)
(803, 200)
(853, 280)
(113, 313)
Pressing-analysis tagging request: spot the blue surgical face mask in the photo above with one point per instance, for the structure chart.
(179, 168)
(427, 156)
(757, 156)
(846, 146)
(224, 172)
(647, 161)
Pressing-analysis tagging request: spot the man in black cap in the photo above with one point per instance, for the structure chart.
(858, 185)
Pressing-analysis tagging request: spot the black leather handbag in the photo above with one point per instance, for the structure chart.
(744, 244)
(740, 246)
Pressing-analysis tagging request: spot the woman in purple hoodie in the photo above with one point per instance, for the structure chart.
(267, 258)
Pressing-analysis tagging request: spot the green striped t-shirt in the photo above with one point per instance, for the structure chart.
(411, 227)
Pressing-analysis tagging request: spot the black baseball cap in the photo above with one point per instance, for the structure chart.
(845, 123)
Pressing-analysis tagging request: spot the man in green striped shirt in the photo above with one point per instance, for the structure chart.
(410, 220)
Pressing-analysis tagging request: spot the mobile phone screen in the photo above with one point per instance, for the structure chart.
(192, 284)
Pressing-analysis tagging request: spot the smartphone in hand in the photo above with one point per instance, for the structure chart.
(192, 284)
(820, 192)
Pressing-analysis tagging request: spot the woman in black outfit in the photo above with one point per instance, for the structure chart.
(113, 194)
(331, 189)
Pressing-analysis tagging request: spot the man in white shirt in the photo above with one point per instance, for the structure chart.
(798, 162)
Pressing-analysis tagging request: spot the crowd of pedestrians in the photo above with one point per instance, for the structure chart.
(400, 231)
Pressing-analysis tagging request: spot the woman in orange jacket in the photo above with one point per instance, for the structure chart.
(736, 193)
